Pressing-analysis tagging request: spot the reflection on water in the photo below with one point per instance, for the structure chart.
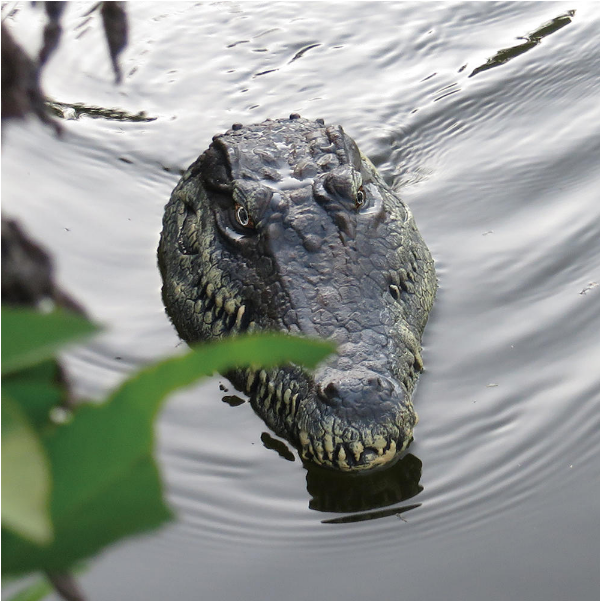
(337, 492)
(532, 40)
(397, 511)
(78, 110)
(278, 446)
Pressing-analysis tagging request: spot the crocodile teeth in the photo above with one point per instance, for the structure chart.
(328, 444)
(279, 397)
(319, 451)
(379, 443)
(342, 462)
(230, 306)
(293, 407)
(357, 449)
(271, 390)
(250, 380)
(240, 313)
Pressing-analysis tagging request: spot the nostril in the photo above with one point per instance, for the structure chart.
(376, 383)
(330, 394)
(331, 390)
(357, 391)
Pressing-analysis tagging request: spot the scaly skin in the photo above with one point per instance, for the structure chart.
(286, 226)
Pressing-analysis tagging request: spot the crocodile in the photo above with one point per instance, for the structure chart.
(286, 226)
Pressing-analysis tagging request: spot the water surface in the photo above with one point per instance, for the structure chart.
(498, 497)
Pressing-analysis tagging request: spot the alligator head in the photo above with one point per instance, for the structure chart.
(286, 226)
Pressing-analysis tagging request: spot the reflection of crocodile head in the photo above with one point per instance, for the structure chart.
(286, 226)
(354, 493)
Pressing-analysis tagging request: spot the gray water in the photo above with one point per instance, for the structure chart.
(499, 496)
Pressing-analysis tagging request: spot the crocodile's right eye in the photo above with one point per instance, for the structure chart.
(361, 198)
(243, 217)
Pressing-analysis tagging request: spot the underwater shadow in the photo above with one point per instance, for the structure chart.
(361, 496)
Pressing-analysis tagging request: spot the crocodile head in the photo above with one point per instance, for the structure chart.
(286, 226)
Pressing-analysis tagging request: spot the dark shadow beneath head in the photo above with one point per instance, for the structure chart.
(337, 492)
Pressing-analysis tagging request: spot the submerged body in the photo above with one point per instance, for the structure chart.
(286, 226)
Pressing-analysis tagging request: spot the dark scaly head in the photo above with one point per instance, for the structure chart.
(286, 226)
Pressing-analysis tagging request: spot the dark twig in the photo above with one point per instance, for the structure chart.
(66, 586)
(21, 89)
(21, 92)
(115, 29)
(52, 31)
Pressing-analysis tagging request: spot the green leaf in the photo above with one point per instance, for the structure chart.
(152, 384)
(28, 336)
(25, 476)
(106, 484)
(38, 390)
(37, 591)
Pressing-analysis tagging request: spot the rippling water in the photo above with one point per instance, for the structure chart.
(498, 496)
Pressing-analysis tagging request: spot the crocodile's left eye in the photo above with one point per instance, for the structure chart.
(361, 198)
(243, 217)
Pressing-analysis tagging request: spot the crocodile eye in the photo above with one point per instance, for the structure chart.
(242, 216)
(361, 198)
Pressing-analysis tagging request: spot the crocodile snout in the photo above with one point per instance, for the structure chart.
(362, 392)
(357, 420)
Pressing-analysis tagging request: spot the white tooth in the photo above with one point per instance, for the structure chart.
(357, 449)
(379, 443)
(319, 451)
(342, 463)
(304, 441)
(328, 443)
(278, 392)
(267, 402)
(286, 396)
(309, 449)
(263, 375)
(240, 313)
(250, 379)
(210, 289)
(230, 306)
